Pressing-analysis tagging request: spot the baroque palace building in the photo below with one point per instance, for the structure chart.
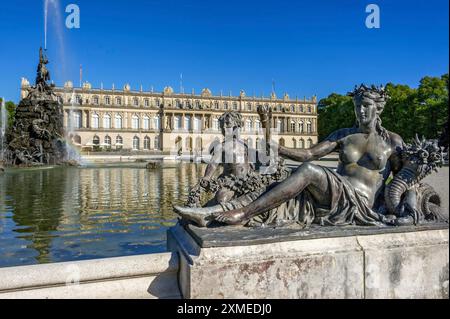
(167, 122)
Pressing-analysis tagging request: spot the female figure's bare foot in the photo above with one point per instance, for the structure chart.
(232, 217)
(200, 216)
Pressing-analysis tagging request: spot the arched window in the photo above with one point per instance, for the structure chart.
(146, 123)
(301, 109)
(107, 100)
(293, 108)
(95, 121)
(107, 121)
(119, 142)
(96, 140)
(118, 101)
(309, 127)
(310, 143)
(248, 125)
(135, 122)
(108, 141)
(156, 123)
(118, 121)
(300, 127)
(293, 126)
(258, 125)
(294, 143)
(147, 143)
(187, 122)
(302, 143)
(156, 141)
(136, 143)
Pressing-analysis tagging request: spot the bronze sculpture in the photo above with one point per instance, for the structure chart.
(357, 193)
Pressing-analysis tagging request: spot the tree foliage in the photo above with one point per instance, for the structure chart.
(422, 110)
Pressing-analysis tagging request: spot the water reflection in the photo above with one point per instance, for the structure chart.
(61, 214)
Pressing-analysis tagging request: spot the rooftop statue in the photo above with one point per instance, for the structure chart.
(358, 192)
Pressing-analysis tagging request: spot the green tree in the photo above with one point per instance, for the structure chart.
(11, 110)
(335, 112)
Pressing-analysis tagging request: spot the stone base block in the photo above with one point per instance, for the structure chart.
(336, 263)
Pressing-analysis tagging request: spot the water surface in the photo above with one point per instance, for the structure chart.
(64, 214)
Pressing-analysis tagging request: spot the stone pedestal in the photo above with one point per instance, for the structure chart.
(350, 262)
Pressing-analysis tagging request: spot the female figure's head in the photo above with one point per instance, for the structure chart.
(369, 104)
(230, 124)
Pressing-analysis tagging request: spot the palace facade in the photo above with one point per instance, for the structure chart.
(167, 122)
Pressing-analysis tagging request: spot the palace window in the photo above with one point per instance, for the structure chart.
(197, 104)
(147, 143)
(136, 143)
(108, 141)
(119, 142)
(280, 108)
(108, 100)
(96, 140)
(156, 142)
(258, 125)
(225, 105)
(293, 108)
(309, 127)
(197, 123)
(216, 124)
(77, 119)
(79, 100)
(157, 102)
(146, 124)
(235, 106)
(248, 125)
(135, 122)
(293, 126)
(302, 109)
(107, 121)
(118, 101)
(309, 109)
(310, 143)
(146, 103)
(216, 105)
(178, 104)
(302, 143)
(95, 121)
(249, 107)
(156, 123)
(118, 121)
(95, 100)
(177, 122)
(187, 122)
(300, 127)
(279, 125)
(136, 101)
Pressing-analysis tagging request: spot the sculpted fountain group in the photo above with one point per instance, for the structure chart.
(37, 134)
(378, 181)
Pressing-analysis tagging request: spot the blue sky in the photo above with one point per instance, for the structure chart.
(307, 47)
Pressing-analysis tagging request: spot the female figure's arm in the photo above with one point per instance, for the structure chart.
(311, 154)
